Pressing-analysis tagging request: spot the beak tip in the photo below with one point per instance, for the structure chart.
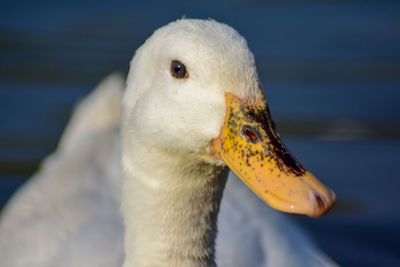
(322, 202)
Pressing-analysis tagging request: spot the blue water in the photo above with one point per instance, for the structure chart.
(331, 72)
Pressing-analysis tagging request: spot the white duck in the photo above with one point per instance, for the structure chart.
(192, 104)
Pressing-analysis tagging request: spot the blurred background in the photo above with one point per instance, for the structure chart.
(330, 69)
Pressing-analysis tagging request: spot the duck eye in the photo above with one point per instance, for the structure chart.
(252, 134)
(178, 70)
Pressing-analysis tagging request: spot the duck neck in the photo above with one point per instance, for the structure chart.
(170, 205)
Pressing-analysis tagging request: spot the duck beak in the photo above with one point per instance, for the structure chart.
(250, 145)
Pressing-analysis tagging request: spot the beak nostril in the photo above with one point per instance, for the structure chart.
(251, 133)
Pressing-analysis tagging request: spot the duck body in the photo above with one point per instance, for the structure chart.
(68, 214)
(82, 224)
(171, 179)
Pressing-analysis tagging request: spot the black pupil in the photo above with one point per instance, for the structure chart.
(178, 70)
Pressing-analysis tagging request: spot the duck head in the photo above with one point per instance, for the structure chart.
(193, 89)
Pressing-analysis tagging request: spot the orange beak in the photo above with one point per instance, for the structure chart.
(249, 144)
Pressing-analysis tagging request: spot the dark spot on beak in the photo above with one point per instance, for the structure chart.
(319, 201)
(284, 159)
